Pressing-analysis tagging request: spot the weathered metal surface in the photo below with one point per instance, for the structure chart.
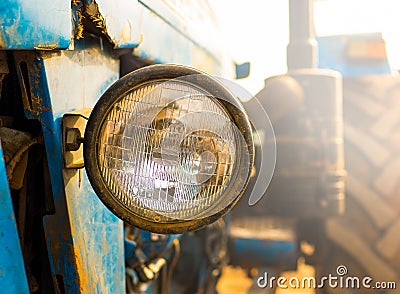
(150, 26)
(98, 237)
(12, 270)
(85, 240)
(193, 28)
(57, 228)
(153, 26)
(87, 74)
(118, 20)
(44, 24)
(157, 46)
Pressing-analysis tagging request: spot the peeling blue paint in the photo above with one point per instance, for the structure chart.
(12, 270)
(43, 24)
(85, 240)
(57, 229)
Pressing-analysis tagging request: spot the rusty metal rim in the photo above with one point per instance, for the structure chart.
(115, 93)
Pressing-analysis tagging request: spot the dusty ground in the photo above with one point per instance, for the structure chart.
(236, 281)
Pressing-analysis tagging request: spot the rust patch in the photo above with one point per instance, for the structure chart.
(93, 12)
(83, 274)
(78, 31)
(31, 99)
(78, 16)
(90, 11)
(75, 2)
(45, 47)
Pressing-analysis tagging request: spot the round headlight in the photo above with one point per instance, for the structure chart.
(168, 149)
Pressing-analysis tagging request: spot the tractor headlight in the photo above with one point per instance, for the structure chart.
(168, 149)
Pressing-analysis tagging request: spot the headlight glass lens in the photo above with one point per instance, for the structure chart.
(169, 150)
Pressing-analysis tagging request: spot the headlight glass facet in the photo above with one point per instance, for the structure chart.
(168, 148)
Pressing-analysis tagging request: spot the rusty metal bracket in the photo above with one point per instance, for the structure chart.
(73, 130)
(16, 145)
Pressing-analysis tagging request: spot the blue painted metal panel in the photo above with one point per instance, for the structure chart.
(97, 235)
(85, 240)
(39, 24)
(152, 26)
(162, 35)
(57, 227)
(332, 54)
(193, 20)
(12, 270)
(86, 74)
(258, 252)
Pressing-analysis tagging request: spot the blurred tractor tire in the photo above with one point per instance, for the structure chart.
(366, 239)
